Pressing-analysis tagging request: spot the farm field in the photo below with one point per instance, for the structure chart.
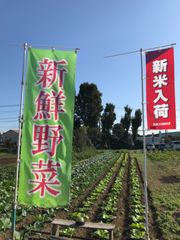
(107, 187)
(163, 171)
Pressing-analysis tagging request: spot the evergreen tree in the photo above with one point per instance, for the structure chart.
(118, 130)
(136, 123)
(126, 120)
(77, 118)
(108, 117)
(89, 104)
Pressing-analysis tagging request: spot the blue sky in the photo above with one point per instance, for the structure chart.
(99, 28)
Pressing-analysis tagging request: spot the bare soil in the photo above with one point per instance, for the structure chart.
(121, 221)
(154, 230)
(5, 161)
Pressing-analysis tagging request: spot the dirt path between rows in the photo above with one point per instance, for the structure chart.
(7, 161)
(76, 203)
(154, 230)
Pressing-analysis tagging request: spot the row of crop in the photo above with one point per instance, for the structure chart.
(7, 185)
(108, 210)
(100, 188)
(84, 211)
(137, 209)
(109, 206)
(86, 172)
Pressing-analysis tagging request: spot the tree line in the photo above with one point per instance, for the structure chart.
(94, 125)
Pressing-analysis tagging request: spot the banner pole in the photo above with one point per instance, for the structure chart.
(19, 144)
(144, 149)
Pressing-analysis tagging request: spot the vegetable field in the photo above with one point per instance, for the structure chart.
(106, 188)
(164, 191)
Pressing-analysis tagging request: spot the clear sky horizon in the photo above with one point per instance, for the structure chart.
(99, 28)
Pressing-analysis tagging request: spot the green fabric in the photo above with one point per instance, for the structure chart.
(46, 146)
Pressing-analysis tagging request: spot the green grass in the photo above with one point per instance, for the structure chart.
(163, 176)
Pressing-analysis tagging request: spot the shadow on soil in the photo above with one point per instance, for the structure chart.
(170, 179)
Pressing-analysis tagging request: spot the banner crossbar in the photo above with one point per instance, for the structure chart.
(158, 48)
(53, 47)
(139, 51)
(45, 46)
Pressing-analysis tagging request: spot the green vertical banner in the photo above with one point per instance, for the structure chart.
(46, 146)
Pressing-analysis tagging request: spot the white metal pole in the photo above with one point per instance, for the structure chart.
(144, 149)
(19, 144)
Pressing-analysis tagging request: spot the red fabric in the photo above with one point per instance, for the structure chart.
(160, 92)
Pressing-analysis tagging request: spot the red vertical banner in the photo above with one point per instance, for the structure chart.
(160, 90)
